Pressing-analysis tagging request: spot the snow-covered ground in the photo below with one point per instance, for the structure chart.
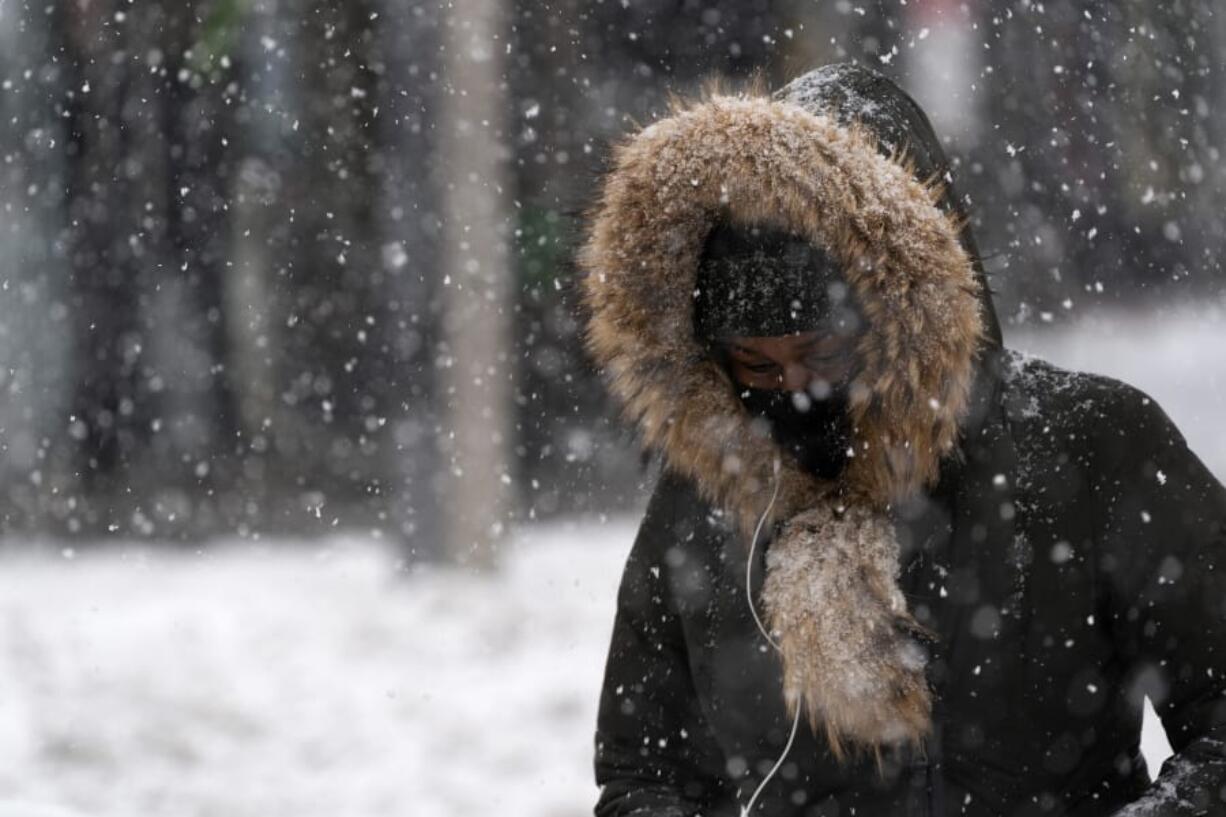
(278, 680)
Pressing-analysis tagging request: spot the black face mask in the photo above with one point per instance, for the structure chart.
(818, 436)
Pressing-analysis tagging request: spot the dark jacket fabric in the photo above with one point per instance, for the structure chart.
(1070, 559)
(1073, 565)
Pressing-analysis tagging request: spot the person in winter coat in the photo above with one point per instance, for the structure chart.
(890, 567)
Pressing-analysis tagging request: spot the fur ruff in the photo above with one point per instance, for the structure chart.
(831, 592)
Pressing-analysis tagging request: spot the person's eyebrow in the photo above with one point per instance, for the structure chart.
(804, 346)
(745, 350)
(825, 337)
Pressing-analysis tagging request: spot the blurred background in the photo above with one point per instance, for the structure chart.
(309, 501)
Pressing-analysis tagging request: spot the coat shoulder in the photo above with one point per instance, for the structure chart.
(688, 501)
(1035, 389)
(680, 518)
(688, 545)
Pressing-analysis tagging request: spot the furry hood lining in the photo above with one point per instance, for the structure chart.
(753, 159)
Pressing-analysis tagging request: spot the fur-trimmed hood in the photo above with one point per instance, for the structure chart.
(843, 157)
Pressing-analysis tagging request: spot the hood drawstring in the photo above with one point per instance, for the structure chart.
(753, 544)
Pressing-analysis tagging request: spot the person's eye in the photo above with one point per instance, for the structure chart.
(823, 360)
(760, 368)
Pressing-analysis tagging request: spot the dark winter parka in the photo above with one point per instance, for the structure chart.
(968, 619)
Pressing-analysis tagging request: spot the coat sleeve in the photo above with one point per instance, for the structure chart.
(1162, 516)
(655, 755)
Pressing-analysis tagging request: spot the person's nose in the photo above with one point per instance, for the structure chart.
(796, 377)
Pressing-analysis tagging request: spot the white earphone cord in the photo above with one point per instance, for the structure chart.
(753, 544)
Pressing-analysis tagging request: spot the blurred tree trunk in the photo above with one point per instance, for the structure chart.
(255, 311)
(151, 414)
(326, 303)
(477, 356)
(35, 382)
(118, 181)
(405, 56)
(198, 402)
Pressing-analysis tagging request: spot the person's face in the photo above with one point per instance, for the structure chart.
(813, 362)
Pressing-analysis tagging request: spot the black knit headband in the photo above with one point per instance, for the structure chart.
(758, 281)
